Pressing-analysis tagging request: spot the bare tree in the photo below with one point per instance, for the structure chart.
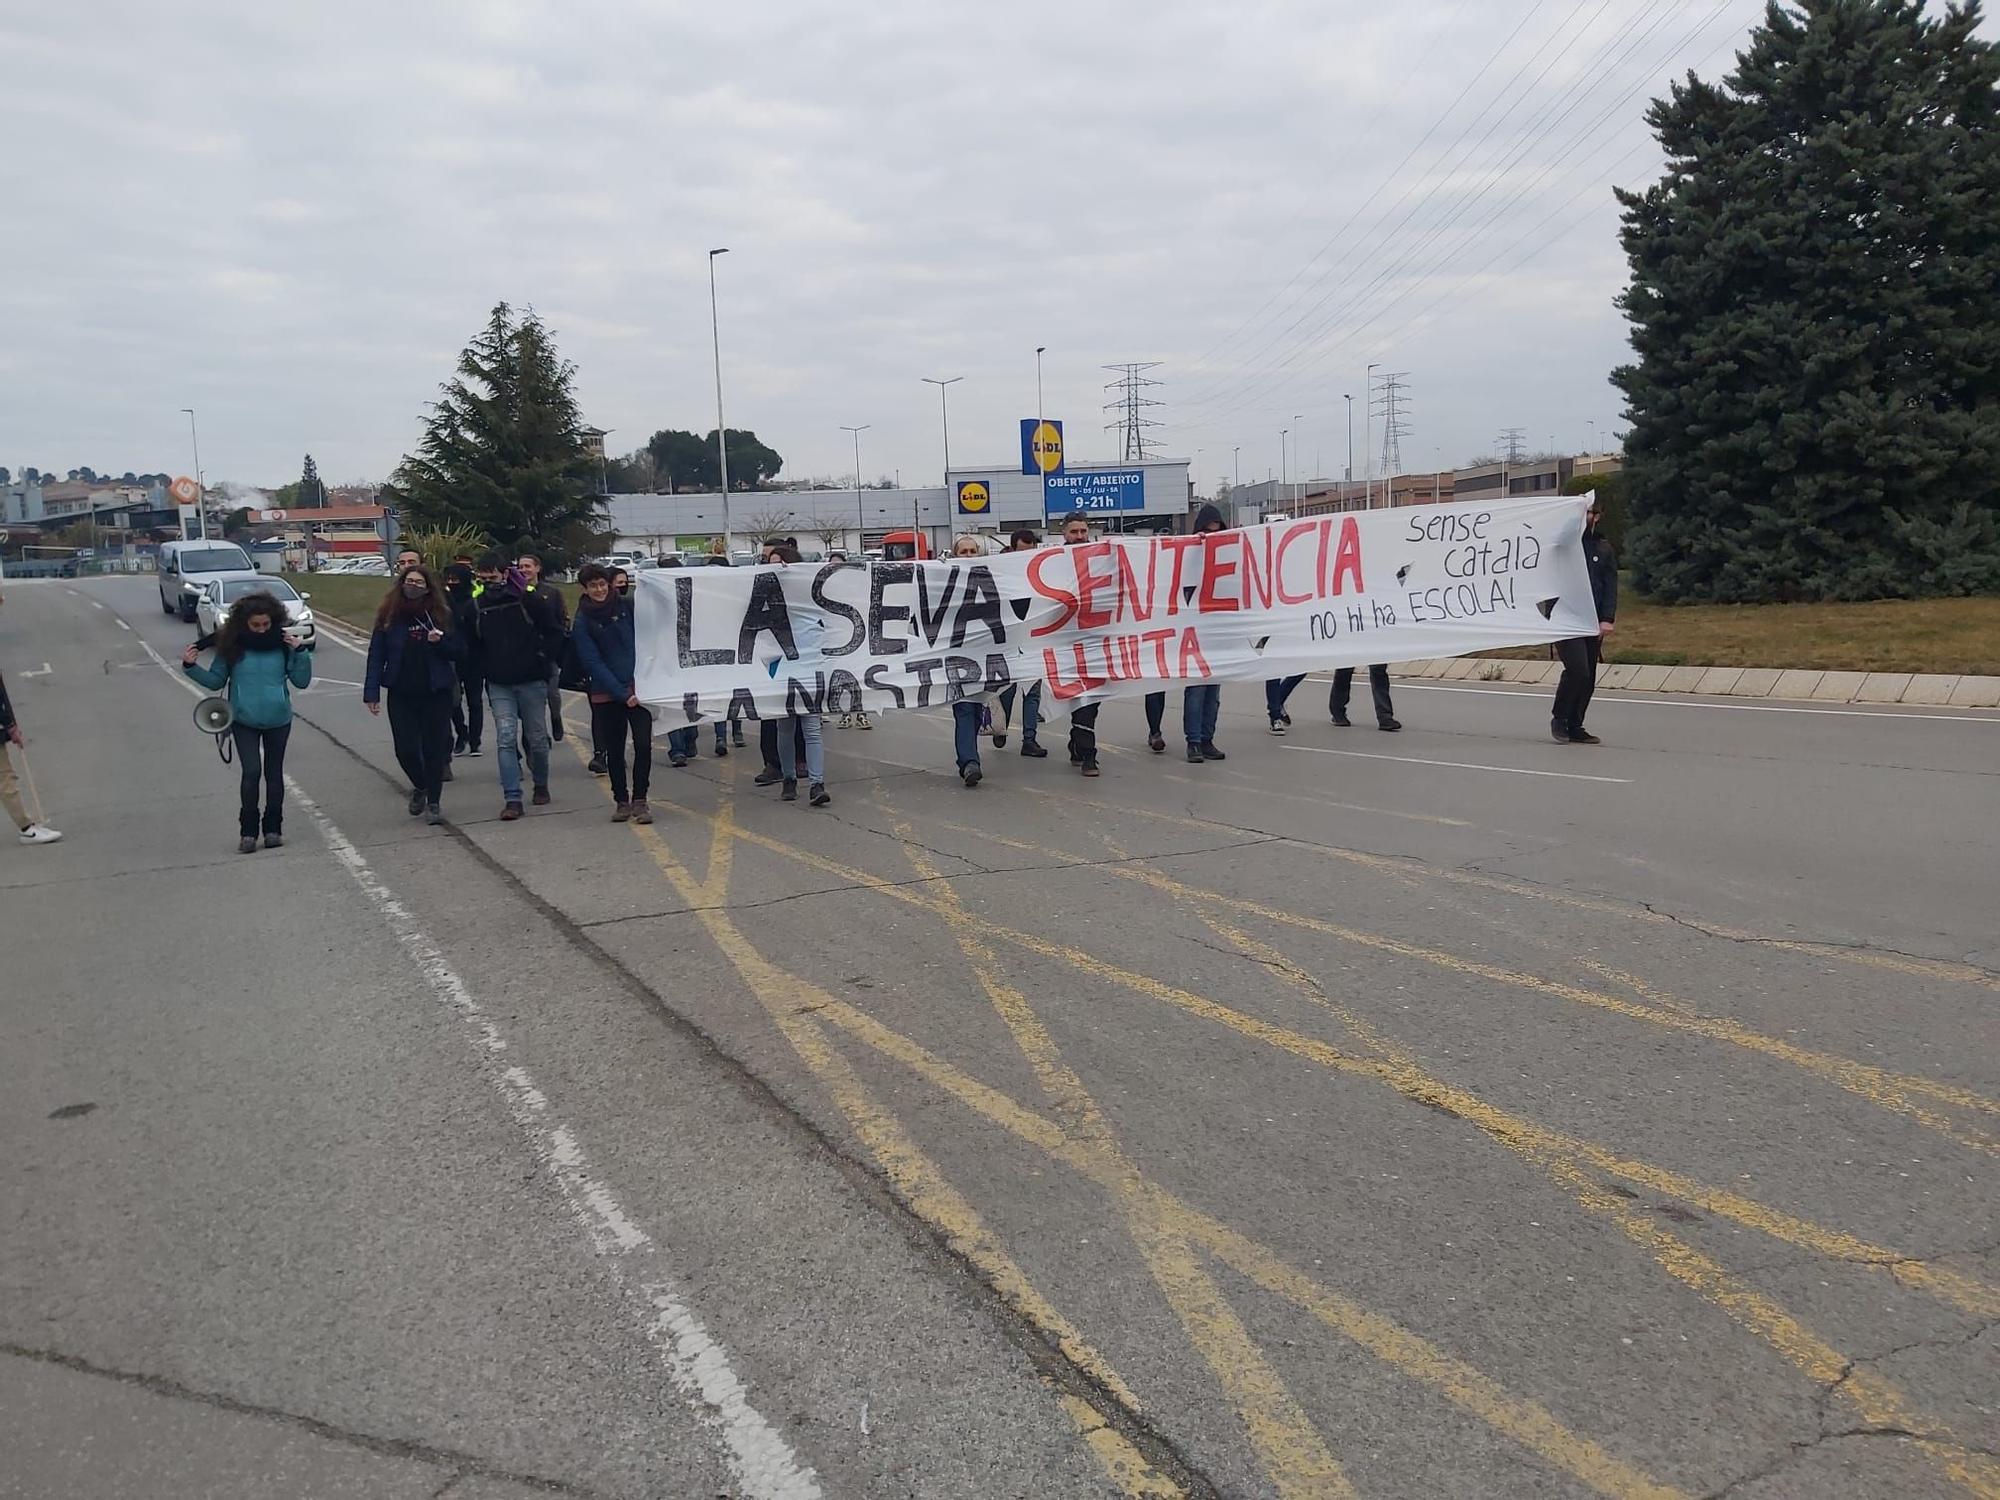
(772, 521)
(830, 533)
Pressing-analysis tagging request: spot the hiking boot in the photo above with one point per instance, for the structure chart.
(274, 841)
(246, 846)
(510, 812)
(1033, 750)
(417, 800)
(1388, 726)
(597, 767)
(622, 813)
(1195, 757)
(769, 776)
(791, 791)
(1210, 752)
(1157, 743)
(641, 813)
(819, 796)
(970, 774)
(541, 797)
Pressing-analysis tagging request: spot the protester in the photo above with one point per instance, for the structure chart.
(681, 743)
(530, 564)
(621, 582)
(1278, 692)
(413, 652)
(468, 712)
(1581, 654)
(408, 558)
(967, 713)
(1030, 700)
(1082, 721)
(1378, 687)
(519, 632)
(257, 664)
(11, 740)
(608, 648)
(1201, 702)
(802, 735)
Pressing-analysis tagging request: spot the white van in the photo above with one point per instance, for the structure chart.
(186, 566)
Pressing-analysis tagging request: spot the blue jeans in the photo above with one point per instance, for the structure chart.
(520, 709)
(1199, 708)
(681, 741)
(721, 735)
(965, 731)
(788, 748)
(1278, 692)
(1031, 708)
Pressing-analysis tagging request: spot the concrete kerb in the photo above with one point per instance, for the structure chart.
(1932, 690)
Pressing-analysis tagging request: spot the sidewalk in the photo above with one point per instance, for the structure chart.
(1928, 690)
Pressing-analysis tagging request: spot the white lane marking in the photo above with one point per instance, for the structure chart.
(46, 670)
(1649, 700)
(95, 604)
(765, 1465)
(1459, 765)
(123, 626)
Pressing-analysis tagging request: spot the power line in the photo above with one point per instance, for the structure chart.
(1131, 404)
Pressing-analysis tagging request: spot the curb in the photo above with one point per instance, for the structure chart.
(1917, 688)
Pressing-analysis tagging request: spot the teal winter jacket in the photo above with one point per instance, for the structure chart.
(257, 684)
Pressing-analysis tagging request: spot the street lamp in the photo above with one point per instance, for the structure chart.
(721, 431)
(1036, 449)
(200, 490)
(603, 481)
(944, 416)
(860, 527)
(1350, 451)
(1282, 435)
(1293, 499)
(1236, 483)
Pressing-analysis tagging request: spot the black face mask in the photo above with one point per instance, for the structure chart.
(261, 640)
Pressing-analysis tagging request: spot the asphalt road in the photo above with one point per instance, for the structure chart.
(1443, 1114)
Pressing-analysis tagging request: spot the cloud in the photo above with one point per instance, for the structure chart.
(292, 217)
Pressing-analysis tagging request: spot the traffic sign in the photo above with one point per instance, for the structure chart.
(184, 490)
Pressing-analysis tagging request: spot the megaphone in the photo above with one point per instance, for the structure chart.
(214, 716)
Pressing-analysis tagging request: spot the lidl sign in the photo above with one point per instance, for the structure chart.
(974, 498)
(1041, 446)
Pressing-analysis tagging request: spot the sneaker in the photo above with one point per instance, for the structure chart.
(677, 760)
(1288, 720)
(597, 766)
(474, 751)
(1210, 752)
(622, 813)
(246, 846)
(1000, 739)
(1195, 757)
(417, 800)
(510, 812)
(447, 772)
(847, 721)
(433, 815)
(274, 841)
(641, 813)
(556, 730)
(1559, 733)
(769, 776)
(1340, 719)
(1157, 744)
(862, 721)
(1584, 737)
(1388, 726)
(541, 797)
(459, 745)
(40, 833)
(722, 747)
(791, 791)
(736, 734)
(970, 774)
(1033, 750)
(1278, 726)
(1090, 768)
(818, 796)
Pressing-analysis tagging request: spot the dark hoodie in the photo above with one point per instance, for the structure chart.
(520, 633)
(1209, 518)
(1603, 564)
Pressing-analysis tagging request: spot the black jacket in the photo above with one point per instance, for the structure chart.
(520, 636)
(1603, 565)
(6, 709)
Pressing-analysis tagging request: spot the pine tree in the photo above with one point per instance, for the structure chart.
(311, 494)
(502, 449)
(1815, 307)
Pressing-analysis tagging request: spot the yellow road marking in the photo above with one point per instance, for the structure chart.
(1283, 1436)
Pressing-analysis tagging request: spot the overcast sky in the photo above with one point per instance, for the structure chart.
(292, 216)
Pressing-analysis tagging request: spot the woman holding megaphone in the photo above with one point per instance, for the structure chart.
(258, 664)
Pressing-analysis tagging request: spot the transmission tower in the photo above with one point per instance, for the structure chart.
(1130, 406)
(1392, 405)
(1513, 444)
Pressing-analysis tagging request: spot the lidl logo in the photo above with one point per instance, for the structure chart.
(973, 497)
(1041, 446)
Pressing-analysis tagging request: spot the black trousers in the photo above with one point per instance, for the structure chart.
(1083, 735)
(1580, 655)
(1378, 686)
(420, 724)
(1156, 711)
(261, 755)
(468, 710)
(610, 723)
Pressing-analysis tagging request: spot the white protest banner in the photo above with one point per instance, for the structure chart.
(1114, 616)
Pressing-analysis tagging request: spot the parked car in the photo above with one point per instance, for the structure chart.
(184, 567)
(212, 607)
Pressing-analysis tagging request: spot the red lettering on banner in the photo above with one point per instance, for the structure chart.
(1348, 559)
(1048, 591)
(1178, 545)
(1132, 605)
(1128, 658)
(1256, 570)
(1214, 570)
(1083, 682)
(1158, 639)
(1191, 652)
(1088, 615)
(1295, 530)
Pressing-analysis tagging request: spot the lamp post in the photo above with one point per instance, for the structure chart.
(1040, 468)
(603, 472)
(860, 527)
(1292, 500)
(1283, 433)
(944, 418)
(721, 431)
(200, 489)
(1349, 478)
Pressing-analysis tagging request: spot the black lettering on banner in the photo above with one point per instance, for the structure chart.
(963, 678)
(742, 702)
(684, 631)
(877, 676)
(691, 706)
(997, 674)
(801, 699)
(980, 601)
(847, 612)
(766, 612)
(932, 620)
(843, 692)
(880, 576)
(1325, 625)
(925, 670)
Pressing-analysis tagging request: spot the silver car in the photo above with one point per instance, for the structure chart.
(213, 605)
